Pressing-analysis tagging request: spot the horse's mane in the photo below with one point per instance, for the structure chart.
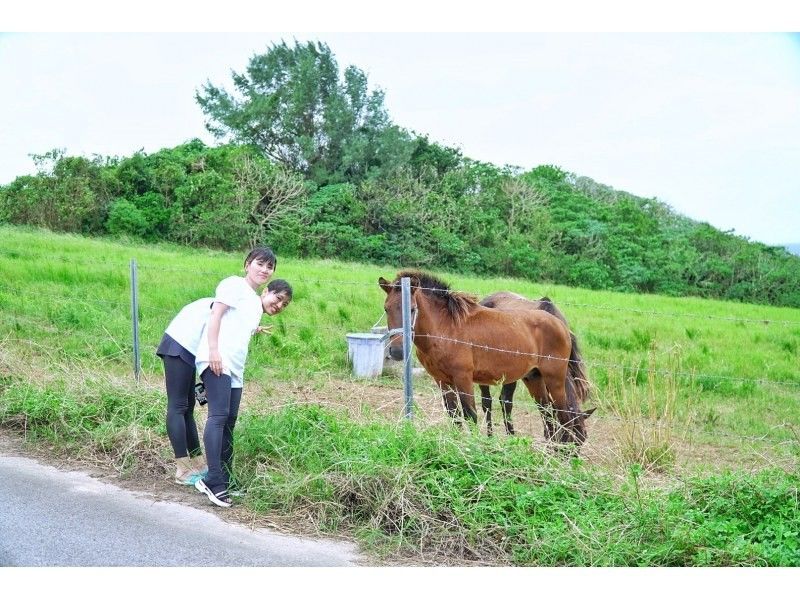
(458, 304)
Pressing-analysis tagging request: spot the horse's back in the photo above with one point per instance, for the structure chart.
(507, 344)
(505, 300)
(523, 326)
(508, 301)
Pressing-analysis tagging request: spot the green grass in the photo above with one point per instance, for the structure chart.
(71, 294)
(434, 489)
(689, 365)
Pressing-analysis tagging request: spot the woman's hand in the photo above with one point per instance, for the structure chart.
(215, 362)
(214, 321)
(263, 330)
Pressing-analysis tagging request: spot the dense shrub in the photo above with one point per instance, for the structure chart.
(124, 218)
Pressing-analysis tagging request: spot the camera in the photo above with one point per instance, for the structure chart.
(200, 393)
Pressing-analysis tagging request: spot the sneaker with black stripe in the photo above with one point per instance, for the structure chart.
(221, 498)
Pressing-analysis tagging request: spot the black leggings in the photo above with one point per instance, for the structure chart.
(223, 409)
(181, 427)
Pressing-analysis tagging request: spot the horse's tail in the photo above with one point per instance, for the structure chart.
(577, 371)
(546, 304)
(576, 374)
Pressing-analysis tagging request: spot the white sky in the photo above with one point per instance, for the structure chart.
(708, 123)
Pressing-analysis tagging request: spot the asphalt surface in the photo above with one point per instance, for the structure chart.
(50, 517)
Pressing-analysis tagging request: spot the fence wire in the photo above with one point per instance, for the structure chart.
(644, 312)
(52, 328)
(433, 395)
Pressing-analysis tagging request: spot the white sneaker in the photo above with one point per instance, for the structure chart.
(221, 498)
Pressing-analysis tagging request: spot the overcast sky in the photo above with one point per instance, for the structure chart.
(708, 123)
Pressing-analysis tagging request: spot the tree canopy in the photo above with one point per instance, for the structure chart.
(292, 104)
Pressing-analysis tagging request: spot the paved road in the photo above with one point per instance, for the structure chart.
(50, 517)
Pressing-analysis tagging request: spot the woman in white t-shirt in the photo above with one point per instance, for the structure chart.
(179, 348)
(220, 360)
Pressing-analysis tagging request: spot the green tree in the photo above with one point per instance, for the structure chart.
(431, 161)
(292, 103)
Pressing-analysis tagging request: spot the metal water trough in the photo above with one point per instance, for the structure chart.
(365, 351)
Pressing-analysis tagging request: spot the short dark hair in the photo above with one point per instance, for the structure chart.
(265, 254)
(280, 286)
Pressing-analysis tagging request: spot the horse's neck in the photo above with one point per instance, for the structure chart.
(433, 322)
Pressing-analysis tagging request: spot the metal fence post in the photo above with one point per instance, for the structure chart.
(137, 363)
(405, 290)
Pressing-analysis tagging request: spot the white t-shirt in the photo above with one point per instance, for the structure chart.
(187, 327)
(236, 328)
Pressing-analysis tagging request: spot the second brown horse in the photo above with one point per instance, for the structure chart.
(577, 377)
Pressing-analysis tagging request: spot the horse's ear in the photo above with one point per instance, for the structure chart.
(385, 285)
(415, 284)
(589, 412)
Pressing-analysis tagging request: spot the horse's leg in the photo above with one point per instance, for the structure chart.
(486, 403)
(465, 387)
(449, 399)
(507, 403)
(538, 390)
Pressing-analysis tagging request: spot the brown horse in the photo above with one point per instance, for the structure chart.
(576, 372)
(460, 343)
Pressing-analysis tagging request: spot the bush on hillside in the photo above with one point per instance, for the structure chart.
(439, 210)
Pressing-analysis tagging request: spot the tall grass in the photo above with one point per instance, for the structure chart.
(117, 425)
(67, 298)
(648, 414)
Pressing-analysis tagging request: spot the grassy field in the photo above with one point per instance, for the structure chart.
(692, 456)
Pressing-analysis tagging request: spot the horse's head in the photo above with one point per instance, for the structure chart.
(393, 306)
(575, 431)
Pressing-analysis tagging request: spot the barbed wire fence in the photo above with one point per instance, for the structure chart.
(51, 351)
(332, 281)
(134, 308)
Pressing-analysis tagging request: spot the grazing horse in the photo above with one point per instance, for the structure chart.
(576, 372)
(461, 343)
